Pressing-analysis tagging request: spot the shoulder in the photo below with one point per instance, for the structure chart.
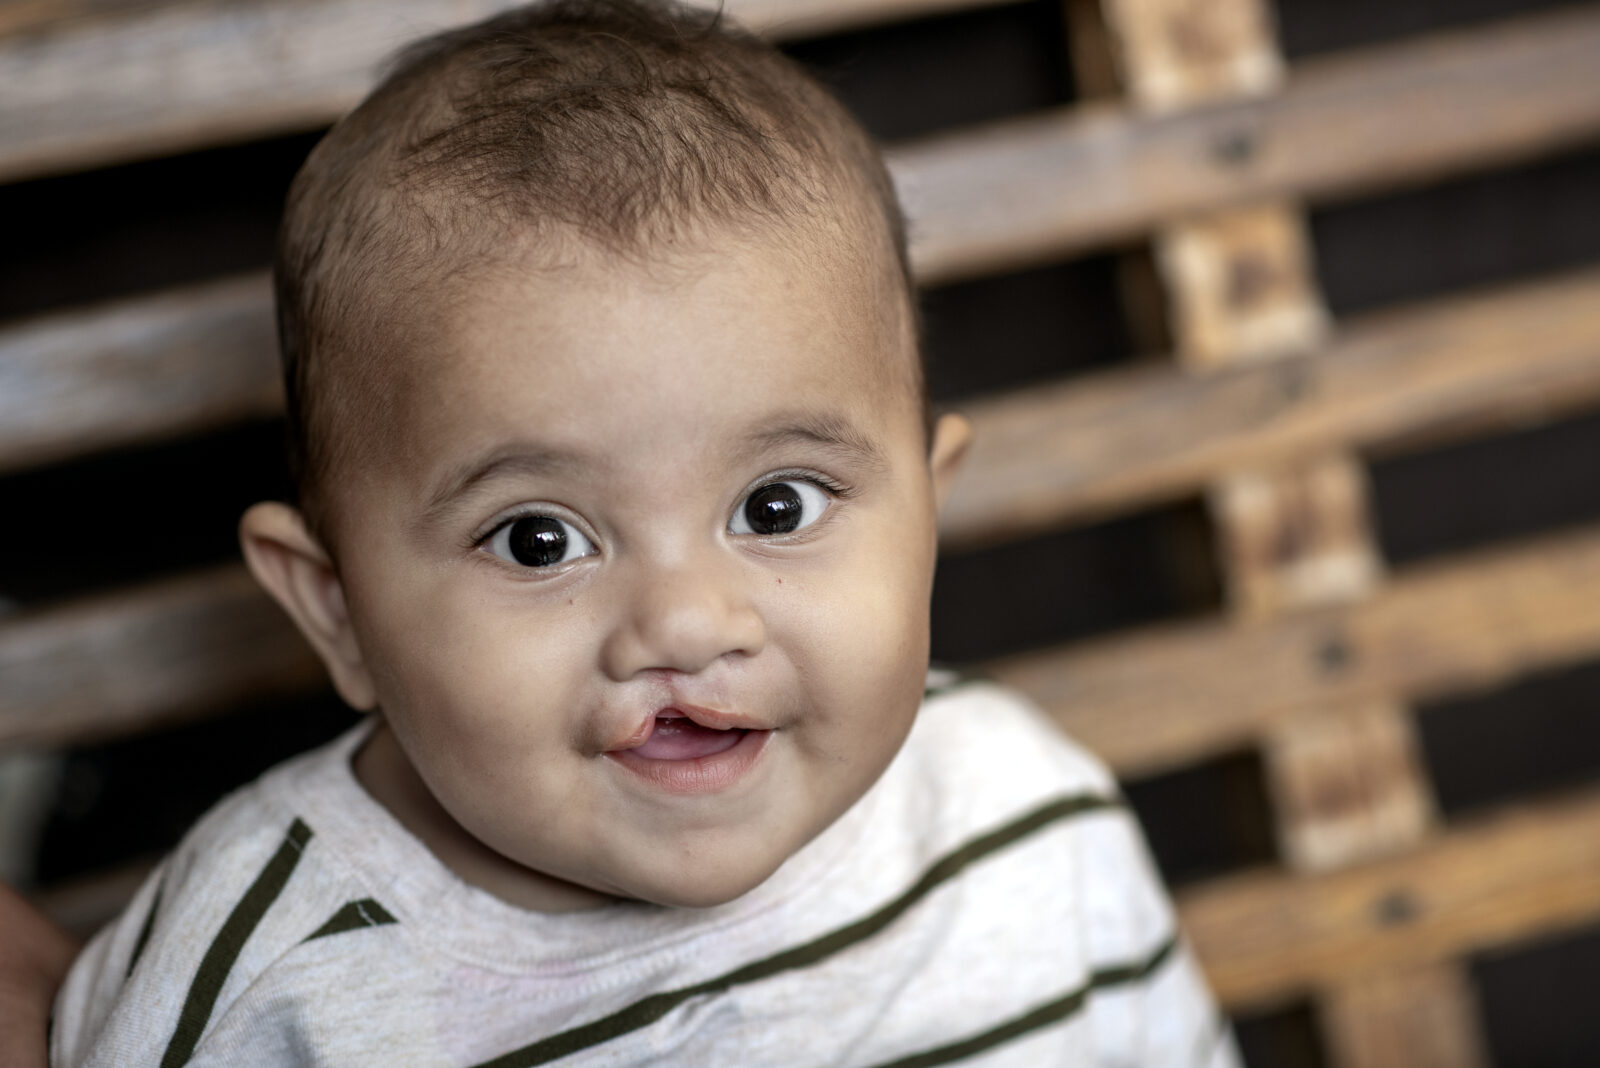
(1055, 900)
(247, 884)
(978, 736)
(993, 760)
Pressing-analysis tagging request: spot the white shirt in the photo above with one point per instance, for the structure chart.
(989, 900)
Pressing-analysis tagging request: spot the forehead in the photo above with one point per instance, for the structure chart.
(581, 348)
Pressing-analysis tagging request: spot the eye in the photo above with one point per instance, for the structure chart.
(539, 541)
(780, 508)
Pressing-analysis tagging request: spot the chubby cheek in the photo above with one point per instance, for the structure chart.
(862, 637)
(462, 677)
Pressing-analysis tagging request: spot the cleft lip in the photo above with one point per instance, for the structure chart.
(709, 718)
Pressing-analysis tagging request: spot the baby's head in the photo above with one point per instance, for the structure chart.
(617, 487)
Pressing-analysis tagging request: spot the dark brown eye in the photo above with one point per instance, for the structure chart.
(539, 541)
(780, 508)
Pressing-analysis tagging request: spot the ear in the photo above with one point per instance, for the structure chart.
(291, 564)
(952, 435)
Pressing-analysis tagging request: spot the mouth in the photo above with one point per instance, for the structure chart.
(691, 750)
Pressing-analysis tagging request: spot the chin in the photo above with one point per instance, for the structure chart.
(697, 890)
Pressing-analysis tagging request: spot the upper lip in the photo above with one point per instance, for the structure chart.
(710, 718)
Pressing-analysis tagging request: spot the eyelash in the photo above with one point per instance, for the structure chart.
(478, 541)
(823, 482)
(829, 485)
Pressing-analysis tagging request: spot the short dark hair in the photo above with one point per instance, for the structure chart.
(619, 121)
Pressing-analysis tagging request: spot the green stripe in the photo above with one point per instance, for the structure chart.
(1043, 1016)
(353, 915)
(225, 948)
(648, 1010)
(148, 925)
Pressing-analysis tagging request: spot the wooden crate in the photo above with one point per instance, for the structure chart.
(1195, 135)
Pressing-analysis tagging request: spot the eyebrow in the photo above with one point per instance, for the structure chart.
(832, 432)
(516, 459)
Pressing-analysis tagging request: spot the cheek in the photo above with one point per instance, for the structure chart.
(862, 623)
(468, 673)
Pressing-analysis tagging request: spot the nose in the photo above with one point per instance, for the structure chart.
(683, 616)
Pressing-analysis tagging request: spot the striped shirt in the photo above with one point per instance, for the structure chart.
(988, 901)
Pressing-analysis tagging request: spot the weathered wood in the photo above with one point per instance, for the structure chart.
(1175, 53)
(145, 368)
(117, 663)
(1347, 787)
(1295, 537)
(780, 18)
(1528, 871)
(1181, 693)
(982, 199)
(1093, 446)
(1411, 1018)
(204, 356)
(1033, 189)
(162, 78)
(1242, 286)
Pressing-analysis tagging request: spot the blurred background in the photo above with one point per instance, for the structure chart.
(1280, 323)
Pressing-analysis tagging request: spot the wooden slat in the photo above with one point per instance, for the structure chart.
(777, 18)
(1093, 446)
(1295, 537)
(1529, 871)
(1423, 1017)
(145, 368)
(1241, 286)
(201, 357)
(117, 663)
(83, 92)
(1035, 188)
(1180, 693)
(982, 200)
(1173, 53)
(1347, 786)
(1049, 455)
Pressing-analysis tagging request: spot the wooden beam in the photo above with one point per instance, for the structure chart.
(1034, 189)
(1181, 693)
(1097, 445)
(117, 663)
(76, 382)
(778, 18)
(1423, 1017)
(162, 78)
(1347, 786)
(982, 200)
(1528, 871)
(1174, 53)
(201, 357)
(1241, 286)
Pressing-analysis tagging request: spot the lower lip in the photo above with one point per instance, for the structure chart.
(698, 775)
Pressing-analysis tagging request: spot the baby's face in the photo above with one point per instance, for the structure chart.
(641, 579)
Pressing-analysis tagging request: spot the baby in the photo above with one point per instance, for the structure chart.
(618, 490)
